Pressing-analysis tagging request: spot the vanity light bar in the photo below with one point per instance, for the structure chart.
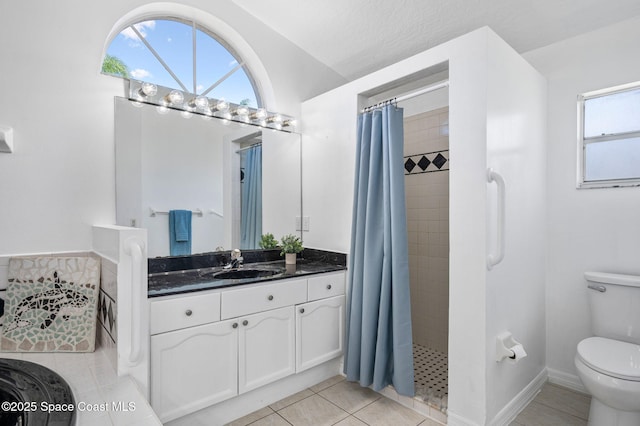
(166, 98)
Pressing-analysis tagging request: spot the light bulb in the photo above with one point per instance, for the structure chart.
(291, 123)
(260, 114)
(241, 110)
(200, 102)
(148, 89)
(222, 105)
(262, 123)
(174, 97)
(275, 119)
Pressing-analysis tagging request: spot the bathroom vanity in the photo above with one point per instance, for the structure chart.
(213, 339)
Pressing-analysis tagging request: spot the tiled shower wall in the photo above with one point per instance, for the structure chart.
(427, 198)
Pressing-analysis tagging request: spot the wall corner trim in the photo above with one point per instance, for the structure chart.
(566, 380)
(6, 139)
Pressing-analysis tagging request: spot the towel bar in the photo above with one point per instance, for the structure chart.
(154, 212)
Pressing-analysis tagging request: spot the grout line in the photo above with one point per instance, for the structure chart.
(289, 405)
(333, 403)
(257, 420)
(280, 415)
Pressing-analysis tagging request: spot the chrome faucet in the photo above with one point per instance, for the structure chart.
(236, 260)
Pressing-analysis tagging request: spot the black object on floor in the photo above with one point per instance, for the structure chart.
(27, 391)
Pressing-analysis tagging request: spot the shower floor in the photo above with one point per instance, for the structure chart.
(431, 370)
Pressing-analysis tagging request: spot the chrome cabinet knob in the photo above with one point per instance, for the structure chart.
(188, 312)
(245, 322)
(302, 310)
(270, 297)
(235, 325)
(328, 286)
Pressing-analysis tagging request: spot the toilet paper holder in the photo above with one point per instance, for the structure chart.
(508, 348)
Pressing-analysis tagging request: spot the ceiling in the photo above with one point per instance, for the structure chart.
(356, 37)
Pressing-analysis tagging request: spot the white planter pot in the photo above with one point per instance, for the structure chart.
(290, 258)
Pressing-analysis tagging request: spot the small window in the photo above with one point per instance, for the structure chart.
(609, 137)
(181, 55)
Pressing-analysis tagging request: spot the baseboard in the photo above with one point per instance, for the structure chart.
(566, 380)
(455, 420)
(241, 405)
(520, 401)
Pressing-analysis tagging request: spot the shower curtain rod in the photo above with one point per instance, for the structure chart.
(430, 88)
(249, 147)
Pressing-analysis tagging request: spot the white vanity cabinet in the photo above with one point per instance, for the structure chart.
(320, 322)
(211, 346)
(319, 331)
(266, 350)
(193, 368)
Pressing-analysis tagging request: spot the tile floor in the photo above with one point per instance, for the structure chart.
(95, 383)
(431, 376)
(341, 403)
(335, 402)
(555, 405)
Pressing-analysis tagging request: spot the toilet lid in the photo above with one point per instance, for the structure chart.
(611, 357)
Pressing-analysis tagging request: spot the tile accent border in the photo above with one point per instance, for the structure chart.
(107, 328)
(437, 161)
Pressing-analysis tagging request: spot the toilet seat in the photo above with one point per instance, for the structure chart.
(611, 357)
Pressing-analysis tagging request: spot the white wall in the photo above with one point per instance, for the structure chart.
(181, 169)
(60, 179)
(477, 389)
(515, 294)
(588, 229)
(281, 181)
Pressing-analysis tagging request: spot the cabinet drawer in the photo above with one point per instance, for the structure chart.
(263, 297)
(326, 285)
(182, 312)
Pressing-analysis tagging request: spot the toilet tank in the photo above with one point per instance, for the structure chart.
(615, 305)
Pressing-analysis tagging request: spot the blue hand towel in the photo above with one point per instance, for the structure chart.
(179, 232)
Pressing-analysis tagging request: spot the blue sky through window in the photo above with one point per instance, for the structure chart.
(173, 42)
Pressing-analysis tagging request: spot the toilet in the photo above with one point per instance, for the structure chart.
(609, 363)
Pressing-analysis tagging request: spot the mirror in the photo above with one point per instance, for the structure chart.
(165, 162)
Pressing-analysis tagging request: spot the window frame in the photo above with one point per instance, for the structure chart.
(582, 142)
(195, 25)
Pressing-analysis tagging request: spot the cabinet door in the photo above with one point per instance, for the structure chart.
(266, 350)
(193, 368)
(319, 331)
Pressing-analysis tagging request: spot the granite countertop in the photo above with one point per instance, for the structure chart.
(167, 278)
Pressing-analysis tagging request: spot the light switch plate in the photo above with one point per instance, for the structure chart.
(305, 223)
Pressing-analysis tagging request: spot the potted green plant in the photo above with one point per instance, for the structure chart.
(268, 241)
(290, 246)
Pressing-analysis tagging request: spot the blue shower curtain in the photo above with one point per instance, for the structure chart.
(379, 341)
(251, 221)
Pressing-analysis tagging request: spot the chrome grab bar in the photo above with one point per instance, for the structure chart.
(599, 288)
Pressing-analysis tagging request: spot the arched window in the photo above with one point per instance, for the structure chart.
(181, 55)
